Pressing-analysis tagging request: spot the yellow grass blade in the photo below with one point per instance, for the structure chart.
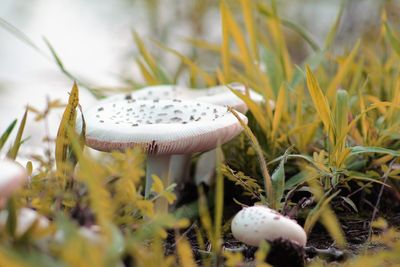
(185, 253)
(274, 26)
(254, 109)
(196, 70)
(225, 50)
(237, 35)
(148, 77)
(67, 122)
(342, 72)
(279, 109)
(247, 7)
(320, 103)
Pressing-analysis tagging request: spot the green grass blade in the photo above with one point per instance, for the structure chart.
(13, 152)
(6, 134)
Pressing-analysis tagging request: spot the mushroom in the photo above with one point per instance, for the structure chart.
(12, 177)
(162, 128)
(254, 224)
(25, 219)
(218, 95)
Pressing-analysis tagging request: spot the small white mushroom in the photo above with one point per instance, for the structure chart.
(162, 128)
(254, 224)
(25, 219)
(12, 178)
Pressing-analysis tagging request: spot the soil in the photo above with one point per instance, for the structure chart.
(355, 225)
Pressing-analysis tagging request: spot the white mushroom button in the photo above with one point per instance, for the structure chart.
(12, 177)
(254, 224)
(161, 128)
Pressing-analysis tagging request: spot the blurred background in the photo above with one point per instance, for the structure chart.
(93, 39)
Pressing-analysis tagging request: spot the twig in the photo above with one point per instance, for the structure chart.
(385, 177)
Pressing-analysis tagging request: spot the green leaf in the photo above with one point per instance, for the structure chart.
(13, 152)
(6, 134)
(379, 150)
(278, 182)
(394, 41)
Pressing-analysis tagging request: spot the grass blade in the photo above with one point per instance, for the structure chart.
(320, 102)
(6, 134)
(67, 122)
(13, 152)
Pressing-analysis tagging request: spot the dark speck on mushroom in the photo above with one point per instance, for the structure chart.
(135, 124)
(101, 121)
(162, 114)
(177, 111)
(100, 109)
(191, 117)
(156, 100)
(167, 106)
(128, 97)
(176, 119)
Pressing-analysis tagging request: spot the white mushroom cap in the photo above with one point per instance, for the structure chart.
(157, 92)
(218, 95)
(25, 218)
(12, 177)
(161, 127)
(254, 224)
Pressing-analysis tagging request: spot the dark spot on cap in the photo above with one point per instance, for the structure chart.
(162, 114)
(191, 117)
(128, 97)
(184, 122)
(198, 119)
(167, 106)
(176, 119)
(100, 109)
(177, 111)
(114, 105)
(156, 100)
(276, 218)
(101, 121)
(143, 105)
(198, 104)
(135, 124)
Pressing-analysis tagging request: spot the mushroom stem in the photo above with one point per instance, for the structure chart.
(158, 165)
(205, 168)
(180, 168)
